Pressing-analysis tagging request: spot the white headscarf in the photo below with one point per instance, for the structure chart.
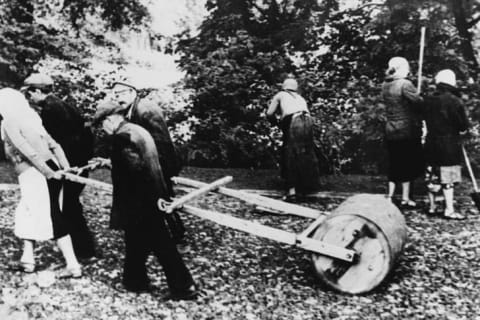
(15, 109)
(446, 76)
(398, 68)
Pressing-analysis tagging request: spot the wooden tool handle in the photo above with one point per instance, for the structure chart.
(470, 171)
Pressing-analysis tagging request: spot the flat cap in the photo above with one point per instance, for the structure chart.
(106, 109)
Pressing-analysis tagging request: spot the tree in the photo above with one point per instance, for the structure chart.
(245, 48)
(233, 65)
(467, 16)
(24, 40)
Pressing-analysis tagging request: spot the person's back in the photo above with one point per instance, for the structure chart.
(149, 116)
(67, 126)
(299, 164)
(399, 96)
(445, 118)
(290, 103)
(444, 113)
(136, 174)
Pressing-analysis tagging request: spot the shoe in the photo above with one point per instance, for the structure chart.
(86, 256)
(70, 273)
(190, 294)
(27, 267)
(432, 212)
(454, 216)
(87, 261)
(138, 289)
(289, 198)
(408, 204)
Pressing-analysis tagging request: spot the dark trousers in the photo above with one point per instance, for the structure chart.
(59, 223)
(174, 222)
(153, 236)
(82, 239)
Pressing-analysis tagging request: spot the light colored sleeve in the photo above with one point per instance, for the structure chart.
(274, 104)
(410, 93)
(14, 133)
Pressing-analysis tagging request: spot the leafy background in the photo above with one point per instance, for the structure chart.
(232, 57)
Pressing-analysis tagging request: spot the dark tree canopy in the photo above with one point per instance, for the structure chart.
(24, 41)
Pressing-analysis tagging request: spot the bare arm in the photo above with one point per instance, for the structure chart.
(273, 106)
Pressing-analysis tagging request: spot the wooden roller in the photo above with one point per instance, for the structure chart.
(375, 229)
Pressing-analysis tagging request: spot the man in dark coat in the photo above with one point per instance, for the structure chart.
(446, 120)
(148, 115)
(66, 126)
(138, 183)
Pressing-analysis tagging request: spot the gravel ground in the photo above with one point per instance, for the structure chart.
(247, 277)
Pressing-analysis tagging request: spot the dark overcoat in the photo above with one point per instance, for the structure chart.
(445, 117)
(150, 116)
(66, 126)
(137, 177)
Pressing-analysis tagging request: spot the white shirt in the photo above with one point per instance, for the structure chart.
(289, 102)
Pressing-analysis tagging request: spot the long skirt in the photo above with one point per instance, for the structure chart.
(406, 160)
(299, 161)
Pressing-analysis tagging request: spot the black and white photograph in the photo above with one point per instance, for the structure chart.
(239, 159)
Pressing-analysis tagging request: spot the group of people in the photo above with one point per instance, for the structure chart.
(439, 154)
(410, 153)
(45, 136)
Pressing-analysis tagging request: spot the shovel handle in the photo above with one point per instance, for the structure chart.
(470, 171)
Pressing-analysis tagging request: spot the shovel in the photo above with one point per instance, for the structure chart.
(475, 195)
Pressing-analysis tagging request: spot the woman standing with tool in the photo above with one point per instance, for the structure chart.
(403, 129)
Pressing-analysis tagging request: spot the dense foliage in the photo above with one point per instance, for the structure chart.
(32, 30)
(245, 49)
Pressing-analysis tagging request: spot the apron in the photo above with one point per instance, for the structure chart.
(32, 216)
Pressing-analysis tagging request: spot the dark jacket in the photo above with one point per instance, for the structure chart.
(136, 175)
(66, 126)
(402, 109)
(445, 117)
(150, 116)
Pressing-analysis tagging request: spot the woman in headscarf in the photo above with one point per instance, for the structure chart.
(403, 129)
(299, 163)
(36, 157)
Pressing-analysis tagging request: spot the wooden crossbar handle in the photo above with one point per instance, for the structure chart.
(88, 181)
(265, 202)
(196, 193)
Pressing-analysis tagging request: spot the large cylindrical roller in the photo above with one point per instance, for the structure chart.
(375, 229)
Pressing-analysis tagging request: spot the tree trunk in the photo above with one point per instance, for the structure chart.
(459, 12)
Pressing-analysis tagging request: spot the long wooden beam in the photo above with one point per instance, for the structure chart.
(92, 182)
(261, 230)
(276, 205)
(198, 192)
